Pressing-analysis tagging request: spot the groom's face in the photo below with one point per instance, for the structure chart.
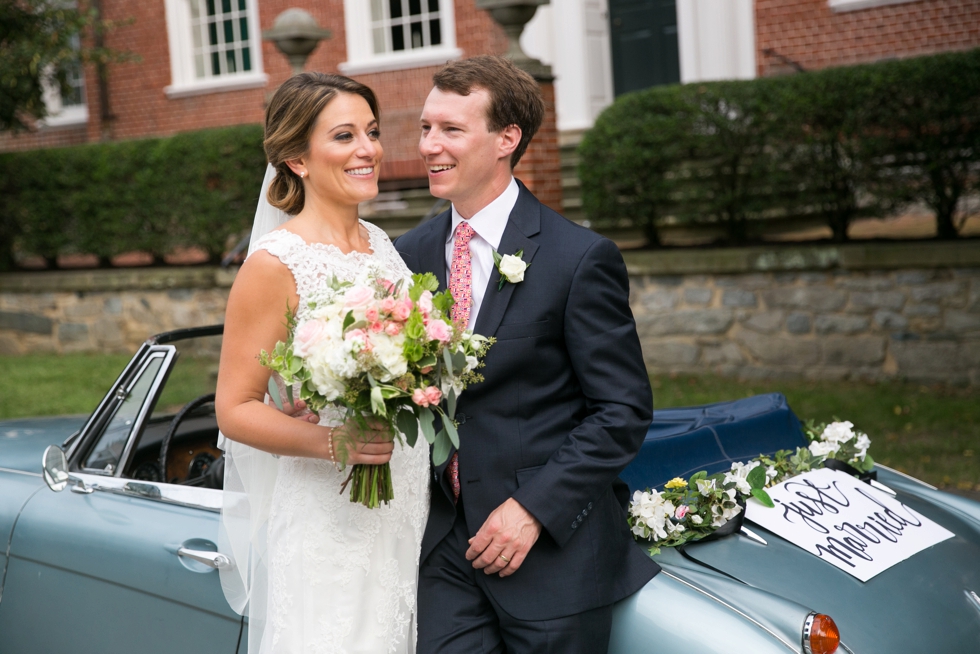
(462, 156)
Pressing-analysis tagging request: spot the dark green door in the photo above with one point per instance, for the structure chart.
(644, 44)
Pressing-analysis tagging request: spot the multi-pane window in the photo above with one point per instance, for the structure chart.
(75, 96)
(405, 25)
(66, 106)
(396, 34)
(220, 33)
(214, 46)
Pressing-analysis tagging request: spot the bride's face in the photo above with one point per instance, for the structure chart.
(344, 158)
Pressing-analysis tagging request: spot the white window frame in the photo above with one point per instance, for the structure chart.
(854, 5)
(59, 115)
(361, 57)
(184, 80)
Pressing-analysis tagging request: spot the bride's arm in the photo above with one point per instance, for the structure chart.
(255, 319)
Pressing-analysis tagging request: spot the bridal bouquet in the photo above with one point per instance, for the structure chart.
(384, 350)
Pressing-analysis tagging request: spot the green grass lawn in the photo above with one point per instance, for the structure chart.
(931, 432)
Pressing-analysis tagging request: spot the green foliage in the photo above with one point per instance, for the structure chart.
(835, 144)
(38, 39)
(196, 189)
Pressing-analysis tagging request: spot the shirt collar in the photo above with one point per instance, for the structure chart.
(490, 221)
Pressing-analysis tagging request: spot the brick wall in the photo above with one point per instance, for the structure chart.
(140, 108)
(811, 34)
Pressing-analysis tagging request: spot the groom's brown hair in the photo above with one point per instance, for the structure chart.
(515, 98)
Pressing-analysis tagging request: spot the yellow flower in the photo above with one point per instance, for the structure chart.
(676, 482)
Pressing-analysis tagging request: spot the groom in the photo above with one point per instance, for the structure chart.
(527, 546)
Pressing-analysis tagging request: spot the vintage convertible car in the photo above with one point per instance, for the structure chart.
(125, 561)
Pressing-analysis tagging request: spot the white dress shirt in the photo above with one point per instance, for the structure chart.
(488, 224)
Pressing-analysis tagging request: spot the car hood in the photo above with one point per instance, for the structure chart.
(922, 604)
(23, 440)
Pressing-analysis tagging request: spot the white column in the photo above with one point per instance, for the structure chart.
(572, 36)
(716, 39)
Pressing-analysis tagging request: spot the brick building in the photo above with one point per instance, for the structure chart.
(204, 64)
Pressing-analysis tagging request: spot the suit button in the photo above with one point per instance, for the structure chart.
(574, 525)
(461, 418)
(585, 512)
(589, 506)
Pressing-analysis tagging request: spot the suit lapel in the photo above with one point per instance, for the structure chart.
(432, 249)
(524, 222)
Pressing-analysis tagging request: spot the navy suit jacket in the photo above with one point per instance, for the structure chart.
(564, 408)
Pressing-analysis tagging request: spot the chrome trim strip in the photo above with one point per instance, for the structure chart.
(731, 608)
(974, 598)
(748, 533)
(21, 472)
(909, 477)
(880, 486)
(205, 499)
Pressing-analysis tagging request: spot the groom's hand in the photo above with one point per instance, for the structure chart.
(509, 532)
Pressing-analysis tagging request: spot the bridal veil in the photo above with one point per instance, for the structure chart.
(250, 477)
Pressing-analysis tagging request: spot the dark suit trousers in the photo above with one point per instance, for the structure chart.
(457, 615)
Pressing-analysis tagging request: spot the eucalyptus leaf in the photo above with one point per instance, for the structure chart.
(408, 424)
(274, 394)
(763, 497)
(451, 403)
(450, 429)
(459, 363)
(440, 448)
(448, 360)
(426, 418)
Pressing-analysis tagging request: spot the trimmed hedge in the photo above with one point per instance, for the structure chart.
(196, 189)
(835, 144)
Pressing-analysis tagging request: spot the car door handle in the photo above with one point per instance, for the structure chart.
(215, 560)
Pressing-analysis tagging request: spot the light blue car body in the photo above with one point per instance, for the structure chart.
(98, 571)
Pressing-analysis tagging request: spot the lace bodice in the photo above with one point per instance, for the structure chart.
(342, 577)
(313, 264)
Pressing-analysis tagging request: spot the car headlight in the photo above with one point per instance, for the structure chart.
(820, 634)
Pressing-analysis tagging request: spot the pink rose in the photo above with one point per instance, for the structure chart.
(681, 511)
(425, 302)
(433, 394)
(360, 336)
(388, 304)
(309, 334)
(377, 327)
(420, 398)
(358, 297)
(402, 310)
(371, 314)
(437, 330)
(393, 328)
(388, 286)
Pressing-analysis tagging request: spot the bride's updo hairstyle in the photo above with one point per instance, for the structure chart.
(289, 122)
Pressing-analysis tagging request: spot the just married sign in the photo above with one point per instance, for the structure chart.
(844, 521)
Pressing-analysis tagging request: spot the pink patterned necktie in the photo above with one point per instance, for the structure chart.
(461, 288)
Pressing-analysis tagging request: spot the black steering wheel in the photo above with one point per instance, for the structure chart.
(187, 409)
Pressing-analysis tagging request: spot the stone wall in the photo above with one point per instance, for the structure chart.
(105, 310)
(874, 311)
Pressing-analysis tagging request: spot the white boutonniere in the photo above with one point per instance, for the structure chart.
(510, 266)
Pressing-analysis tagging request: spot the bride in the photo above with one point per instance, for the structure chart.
(313, 571)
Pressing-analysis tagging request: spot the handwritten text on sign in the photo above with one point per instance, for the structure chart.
(846, 522)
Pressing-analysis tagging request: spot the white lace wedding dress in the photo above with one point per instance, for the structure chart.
(342, 577)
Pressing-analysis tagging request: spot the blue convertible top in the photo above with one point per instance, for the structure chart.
(683, 441)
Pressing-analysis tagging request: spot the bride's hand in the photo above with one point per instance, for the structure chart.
(372, 445)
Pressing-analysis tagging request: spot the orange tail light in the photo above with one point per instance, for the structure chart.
(820, 634)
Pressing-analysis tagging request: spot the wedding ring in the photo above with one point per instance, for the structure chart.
(506, 560)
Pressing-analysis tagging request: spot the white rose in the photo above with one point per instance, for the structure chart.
(862, 444)
(389, 353)
(696, 519)
(512, 268)
(823, 448)
(838, 432)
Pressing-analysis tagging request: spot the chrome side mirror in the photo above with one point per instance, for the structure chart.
(55, 467)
